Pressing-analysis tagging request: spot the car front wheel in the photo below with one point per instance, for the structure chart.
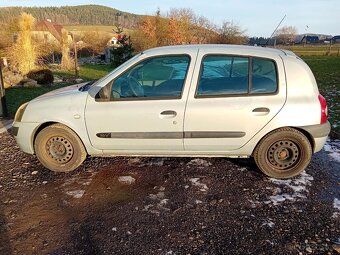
(59, 148)
(283, 153)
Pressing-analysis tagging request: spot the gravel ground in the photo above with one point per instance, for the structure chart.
(167, 206)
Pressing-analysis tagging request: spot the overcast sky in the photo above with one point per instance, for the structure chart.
(257, 17)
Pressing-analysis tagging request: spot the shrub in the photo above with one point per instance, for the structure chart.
(43, 77)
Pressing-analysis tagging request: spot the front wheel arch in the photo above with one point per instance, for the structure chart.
(59, 148)
(50, 123)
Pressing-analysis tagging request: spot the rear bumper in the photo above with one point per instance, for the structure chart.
(23, 133)
(319, 133)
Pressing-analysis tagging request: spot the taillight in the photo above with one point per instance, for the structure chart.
(324, 110)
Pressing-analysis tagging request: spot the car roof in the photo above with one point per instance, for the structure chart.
(236, 49)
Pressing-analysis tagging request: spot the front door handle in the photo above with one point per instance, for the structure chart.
(260, 111)
(168, 114)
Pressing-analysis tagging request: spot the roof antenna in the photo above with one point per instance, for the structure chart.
(275, 30)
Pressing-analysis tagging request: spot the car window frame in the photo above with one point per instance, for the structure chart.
(250, 70)
(110, 99)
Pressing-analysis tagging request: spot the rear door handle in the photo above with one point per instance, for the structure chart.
(168, 114)
(260, 111)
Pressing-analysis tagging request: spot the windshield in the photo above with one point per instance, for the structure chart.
(117, 68)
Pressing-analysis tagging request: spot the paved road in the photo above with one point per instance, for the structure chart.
(167, 206)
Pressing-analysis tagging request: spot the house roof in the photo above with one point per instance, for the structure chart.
(49, 26)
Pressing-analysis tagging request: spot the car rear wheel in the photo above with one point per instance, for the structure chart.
(59, 148)
(283, 153)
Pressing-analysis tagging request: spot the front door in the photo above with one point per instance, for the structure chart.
(232, 98)
(142, 109)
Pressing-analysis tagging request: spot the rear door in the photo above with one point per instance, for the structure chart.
(232, 97)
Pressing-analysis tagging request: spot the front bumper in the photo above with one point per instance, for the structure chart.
(23, 133)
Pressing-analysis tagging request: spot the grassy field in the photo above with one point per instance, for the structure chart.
(314, 50)
(325, 68)
(108, 29)
(327, 73)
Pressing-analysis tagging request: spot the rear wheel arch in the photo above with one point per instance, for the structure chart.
(308, 135)
(283, 152)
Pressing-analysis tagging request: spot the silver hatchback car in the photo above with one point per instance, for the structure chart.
(196, 101)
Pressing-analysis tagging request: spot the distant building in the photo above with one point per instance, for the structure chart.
(336, 39)
(48, 31)
(307, 39)
(113, 41)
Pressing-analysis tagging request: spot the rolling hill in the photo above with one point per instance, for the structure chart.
(74, 15)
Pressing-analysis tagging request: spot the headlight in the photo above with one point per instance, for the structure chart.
(20, 112)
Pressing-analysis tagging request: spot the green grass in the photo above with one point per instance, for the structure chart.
(88, 72)
(325, 68)
(17, 96)
(313, 50)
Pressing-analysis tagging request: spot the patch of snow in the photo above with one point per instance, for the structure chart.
(197, 183)
(298, 186)
(156, 162)
(159, 202)
(126, 180)
(159, 195)
(163, 202)
(76, 193)
(199, 162)
(332, 149)
(336, 203)
(268, 223)
(134, 161)
(336, 215)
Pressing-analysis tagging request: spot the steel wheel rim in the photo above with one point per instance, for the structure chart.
(283, 154)
(59, 149)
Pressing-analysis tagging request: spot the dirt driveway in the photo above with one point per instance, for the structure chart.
(167, 206)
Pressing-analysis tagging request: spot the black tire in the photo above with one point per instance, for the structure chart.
(59, 148)
(283, 153)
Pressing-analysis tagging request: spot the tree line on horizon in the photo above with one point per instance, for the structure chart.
(73, 15)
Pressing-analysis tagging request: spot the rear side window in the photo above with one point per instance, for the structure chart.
(223, 75)
(264, 76)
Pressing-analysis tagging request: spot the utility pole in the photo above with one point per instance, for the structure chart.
(306, 36)
(271, 36)
(330, 47)
(3, 105)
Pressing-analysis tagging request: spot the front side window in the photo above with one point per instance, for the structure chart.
(157, 77)
(223, 75)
